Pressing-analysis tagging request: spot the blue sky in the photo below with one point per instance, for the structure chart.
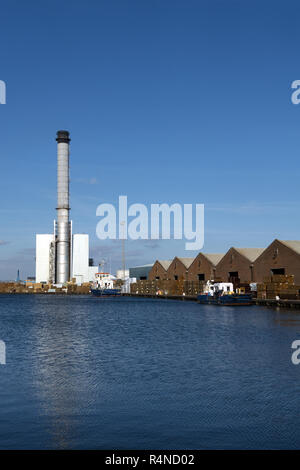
(166, 101)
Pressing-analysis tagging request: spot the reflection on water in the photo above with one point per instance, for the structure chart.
(132, 373)
(62, 371)
(288, 317)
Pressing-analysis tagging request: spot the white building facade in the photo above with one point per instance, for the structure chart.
(80, 258)
(42, 258)
(79, 269)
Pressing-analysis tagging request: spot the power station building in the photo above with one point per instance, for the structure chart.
(62, 256)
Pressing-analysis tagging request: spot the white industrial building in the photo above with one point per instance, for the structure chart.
(62, 256)
(80, 266)
(121, 274)
(42, 258)
(81, 270)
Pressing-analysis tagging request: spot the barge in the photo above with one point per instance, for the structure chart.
(222, 293)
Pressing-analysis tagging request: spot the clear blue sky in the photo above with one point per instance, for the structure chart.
(166, 101)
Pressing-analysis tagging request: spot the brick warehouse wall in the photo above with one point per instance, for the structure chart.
(275, 256)
(157, 271)
(166, 287)
(177, 268)
(234, 261)
(201, 265)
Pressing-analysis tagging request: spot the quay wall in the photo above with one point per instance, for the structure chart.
(19, 288)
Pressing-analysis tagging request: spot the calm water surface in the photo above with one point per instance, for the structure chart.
(86, 373)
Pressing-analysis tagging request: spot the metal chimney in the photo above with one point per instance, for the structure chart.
(63, 226)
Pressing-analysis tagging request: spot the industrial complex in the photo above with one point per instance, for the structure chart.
(63, 263)
(62, 256)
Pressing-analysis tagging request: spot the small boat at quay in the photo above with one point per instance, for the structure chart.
(105, 286)
(222, 293)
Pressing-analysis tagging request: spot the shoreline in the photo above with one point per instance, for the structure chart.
(283, 303)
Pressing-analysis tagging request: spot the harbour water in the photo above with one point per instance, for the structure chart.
(89, 373)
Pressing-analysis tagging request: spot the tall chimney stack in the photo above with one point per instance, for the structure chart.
(63, 226)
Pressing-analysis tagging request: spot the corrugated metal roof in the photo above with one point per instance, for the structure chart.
(186, 261)
(140, 271)
(142, 266)
(293, 244)
(214, 258)
(165, 263)
(250, 253)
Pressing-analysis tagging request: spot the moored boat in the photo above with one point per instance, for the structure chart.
(105, 286)
(222, 294)
(106, 292)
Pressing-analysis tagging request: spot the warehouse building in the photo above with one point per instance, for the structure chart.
(203, 268)
(280, 257)
(141, 273)
(178, 269)
(159, 270)
(237, 265)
